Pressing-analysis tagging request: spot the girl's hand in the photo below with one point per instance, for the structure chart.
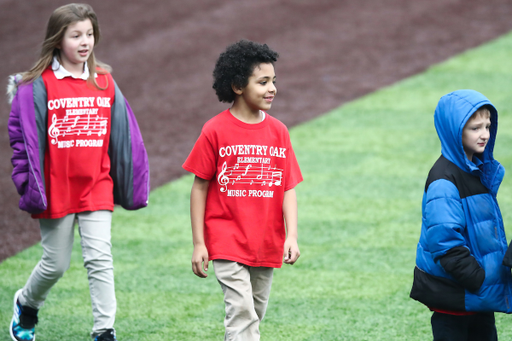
(291, 251)
(200, 260)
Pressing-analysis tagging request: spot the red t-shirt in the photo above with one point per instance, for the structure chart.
(77, 165)
(249, 167)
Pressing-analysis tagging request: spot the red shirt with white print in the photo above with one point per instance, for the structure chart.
(249, 167)
(77, 165)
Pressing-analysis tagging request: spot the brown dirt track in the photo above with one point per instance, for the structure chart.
(163, 53)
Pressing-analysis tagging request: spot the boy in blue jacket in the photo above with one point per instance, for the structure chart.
(459, 273)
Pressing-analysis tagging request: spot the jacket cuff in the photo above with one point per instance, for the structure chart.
(463, 267)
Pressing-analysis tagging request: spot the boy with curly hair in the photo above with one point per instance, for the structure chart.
(243, 204)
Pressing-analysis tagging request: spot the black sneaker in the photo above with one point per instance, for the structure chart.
(108, 335)
(23, 321)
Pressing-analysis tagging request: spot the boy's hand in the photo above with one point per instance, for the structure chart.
(291, 251)
(200, 256)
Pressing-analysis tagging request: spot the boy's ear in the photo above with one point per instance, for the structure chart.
(236, 89)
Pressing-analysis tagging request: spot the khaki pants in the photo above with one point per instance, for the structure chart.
(57, 237)
(246, 292)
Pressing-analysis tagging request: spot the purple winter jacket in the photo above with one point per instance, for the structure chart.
(28, 124)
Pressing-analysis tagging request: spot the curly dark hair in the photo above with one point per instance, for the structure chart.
(236, 64)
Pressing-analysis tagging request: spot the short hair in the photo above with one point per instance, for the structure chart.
(236, 65)
(483, 111)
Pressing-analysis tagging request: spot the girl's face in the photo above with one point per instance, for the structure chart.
(76, 46)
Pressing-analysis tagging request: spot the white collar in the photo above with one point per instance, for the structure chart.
(60, 72)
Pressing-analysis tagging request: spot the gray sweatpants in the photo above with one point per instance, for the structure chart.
(246, 292)
(57, 237)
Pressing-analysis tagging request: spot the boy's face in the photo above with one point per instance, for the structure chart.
(260, 90)
(475, 135)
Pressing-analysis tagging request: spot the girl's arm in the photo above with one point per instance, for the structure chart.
(19, 157)
(291, 248)
(129, 165)
(197, 209)
(28, 112)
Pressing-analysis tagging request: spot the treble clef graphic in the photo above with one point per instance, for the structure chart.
(222, 178)
(53, 131)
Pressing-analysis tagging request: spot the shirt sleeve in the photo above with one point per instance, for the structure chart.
(201, 160)
(293, 174)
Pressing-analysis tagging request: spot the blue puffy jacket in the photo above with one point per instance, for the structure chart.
(462, 243)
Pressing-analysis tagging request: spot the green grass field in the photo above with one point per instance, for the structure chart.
(364, 167)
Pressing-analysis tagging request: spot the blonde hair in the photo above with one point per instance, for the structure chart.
(58, 23)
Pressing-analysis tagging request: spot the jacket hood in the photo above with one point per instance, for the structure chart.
(12, 87)
(452, 113)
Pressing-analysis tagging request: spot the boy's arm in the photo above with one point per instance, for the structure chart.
(291, 248)
(445, 221)
(459, 263)
(197, 209)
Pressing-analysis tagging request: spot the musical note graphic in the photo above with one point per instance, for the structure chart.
(103, 128)
(262, 175)
(247, 169)
(76, 125)
(259, 177)
(53, 131)
(222, 178)
(76, 120)
(277, 182)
